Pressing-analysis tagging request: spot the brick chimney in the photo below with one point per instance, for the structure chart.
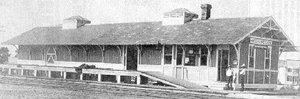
(74, 22)
(178, 17)
(206, 9)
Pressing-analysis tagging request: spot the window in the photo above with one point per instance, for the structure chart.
(191, 56)
(168, 54)
(150, 55)
(203, 56)
(36, 53)
(179, 55)
(267, 58)
(251, 56)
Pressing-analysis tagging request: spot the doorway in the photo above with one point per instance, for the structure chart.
(223, 58)
(131, 58)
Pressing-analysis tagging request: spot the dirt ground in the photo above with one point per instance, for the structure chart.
(13, 88)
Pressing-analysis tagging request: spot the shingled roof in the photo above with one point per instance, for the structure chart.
(213, 31)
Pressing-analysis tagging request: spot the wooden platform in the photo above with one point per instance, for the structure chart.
(98, 75)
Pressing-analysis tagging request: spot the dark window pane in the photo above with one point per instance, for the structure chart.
(179, 59)
(251, 62)
(259, 58)
(273, 78)
(267, 64)
(259, 77)
(191, 56)
(150, 55)
(190, 60)
(168, 59)
(204, 53)
(267, 77)
(250, 77)
(168, 54)
(179, 56)
(168, 49)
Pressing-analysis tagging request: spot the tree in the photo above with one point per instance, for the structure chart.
(4, 54)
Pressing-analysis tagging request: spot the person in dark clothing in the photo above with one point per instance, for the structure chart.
(242, 76)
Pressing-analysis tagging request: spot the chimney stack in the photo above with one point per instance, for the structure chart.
(205, 14)
(74, 22)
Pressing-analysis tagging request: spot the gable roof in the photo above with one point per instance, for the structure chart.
(213, 31)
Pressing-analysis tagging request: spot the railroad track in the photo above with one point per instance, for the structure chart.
(116, 89)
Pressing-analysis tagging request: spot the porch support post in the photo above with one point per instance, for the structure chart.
(163, 55)
(64, 74)
(99, 77)
(237, 50)
(34, 73)
(118, 78)
(209, 55)
(138, 80)
(81, 76)
(49, 74)
(138, 55)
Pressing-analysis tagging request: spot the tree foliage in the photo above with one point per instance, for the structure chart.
(4, 54)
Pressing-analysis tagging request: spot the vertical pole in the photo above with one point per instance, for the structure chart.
(9, 71)
(22, 72)
(238, 65)
(34, 73)
(118, 77)
(138, 80)
(138, 56)
(81, 76)
(163, 55)
(49, 74)
(65, 74)
(99, 77)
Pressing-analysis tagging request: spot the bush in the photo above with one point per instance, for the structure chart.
(4, 54)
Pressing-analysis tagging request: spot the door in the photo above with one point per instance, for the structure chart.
(131, 58)
(180, 70)
(223, 58)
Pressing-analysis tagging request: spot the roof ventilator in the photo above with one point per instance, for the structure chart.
(178, 17)
(74, 22)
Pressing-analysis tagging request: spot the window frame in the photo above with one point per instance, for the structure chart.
(167, 54)
(269, 57)
(251, 54)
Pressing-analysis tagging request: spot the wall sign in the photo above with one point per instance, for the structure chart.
(260, 41)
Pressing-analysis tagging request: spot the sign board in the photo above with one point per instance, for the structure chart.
(260, 41)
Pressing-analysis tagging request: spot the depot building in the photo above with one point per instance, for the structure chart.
(183, 46)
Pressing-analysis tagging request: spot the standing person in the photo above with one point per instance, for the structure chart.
(242, 75)
(229, 74)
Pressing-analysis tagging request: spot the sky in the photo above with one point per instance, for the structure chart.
(18, 16)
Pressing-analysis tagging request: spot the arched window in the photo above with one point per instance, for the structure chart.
(94, 54)
(36, 53)
(23, 52)
(150, 55)
(112, 54)
(77, 54)
(62, 53)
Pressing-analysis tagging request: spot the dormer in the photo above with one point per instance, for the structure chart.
(74, 22)
(178, 17)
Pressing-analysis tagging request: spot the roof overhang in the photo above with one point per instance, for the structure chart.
(287, 44)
